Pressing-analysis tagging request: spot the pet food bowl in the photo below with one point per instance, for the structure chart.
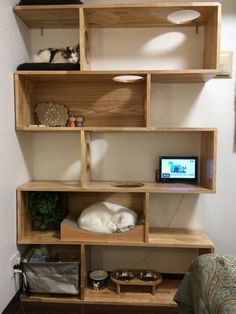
(98, 279)
(148, 275)
(125, 275)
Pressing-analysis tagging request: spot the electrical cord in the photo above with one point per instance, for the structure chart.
(18, 270)
(176, 210)
(142, 259)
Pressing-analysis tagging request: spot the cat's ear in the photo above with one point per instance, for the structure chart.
(77, 48)
(120, 218)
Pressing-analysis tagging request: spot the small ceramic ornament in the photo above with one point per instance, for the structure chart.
(72, 121)
(79, 121)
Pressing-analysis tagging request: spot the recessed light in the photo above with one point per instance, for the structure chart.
(127, 78)
(183, 16)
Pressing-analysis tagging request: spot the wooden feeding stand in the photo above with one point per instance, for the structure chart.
(134, 278)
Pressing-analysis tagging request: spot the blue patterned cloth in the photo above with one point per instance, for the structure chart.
(209, 287)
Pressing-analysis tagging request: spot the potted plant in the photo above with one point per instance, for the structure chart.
(47, 210)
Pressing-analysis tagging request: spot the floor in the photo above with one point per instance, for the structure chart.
(93, 309)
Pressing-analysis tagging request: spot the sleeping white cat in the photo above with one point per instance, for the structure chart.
(105, 217)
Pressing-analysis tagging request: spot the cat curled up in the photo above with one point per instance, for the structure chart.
(54, 55)
(105, 217)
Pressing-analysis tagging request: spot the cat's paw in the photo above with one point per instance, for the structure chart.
(125, 228)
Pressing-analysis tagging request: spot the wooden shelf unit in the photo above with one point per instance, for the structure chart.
(108, 106)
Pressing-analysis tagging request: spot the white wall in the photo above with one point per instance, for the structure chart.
(15, 149)
(183, 105)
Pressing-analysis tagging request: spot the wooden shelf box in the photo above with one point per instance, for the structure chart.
(193, 142)
(101, 101)
(78, 201)
(87, 17)
(74, 204)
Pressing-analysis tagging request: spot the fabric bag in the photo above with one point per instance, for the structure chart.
(50, 277)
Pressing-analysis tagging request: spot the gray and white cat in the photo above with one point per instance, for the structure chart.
(105, 217)
(54, 55)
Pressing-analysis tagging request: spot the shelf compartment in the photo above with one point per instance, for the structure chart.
(163, 297)
(25, 232)
(144, 15)
(78, 201)
(155, 15)
(101, 101)
(181, 142)
(49, 16)
(74, 203)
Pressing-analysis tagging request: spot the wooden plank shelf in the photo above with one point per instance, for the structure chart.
(41, 237)
(115, 129)
(51, 186)
(158, 76)
(158, 237)
(179, 238)
(151, 187)
(163, 297)
(110, 186)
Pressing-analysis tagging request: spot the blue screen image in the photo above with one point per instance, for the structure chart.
(178, 169)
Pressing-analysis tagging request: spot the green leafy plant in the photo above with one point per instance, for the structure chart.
(46, 210)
